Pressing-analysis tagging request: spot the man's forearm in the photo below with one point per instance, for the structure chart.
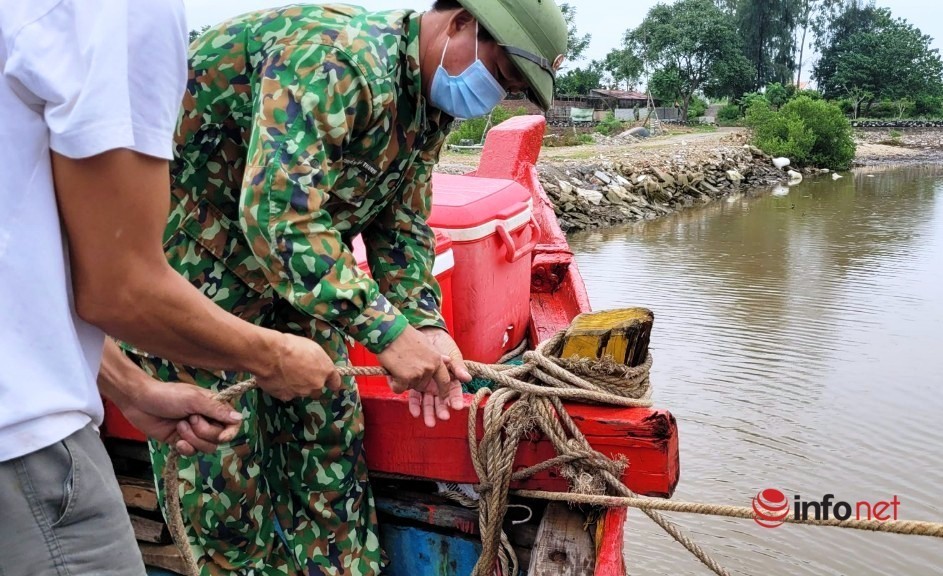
(166, 316)
(114, 207)
(119, 378)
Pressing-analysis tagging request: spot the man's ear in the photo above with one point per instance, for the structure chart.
(460, 20)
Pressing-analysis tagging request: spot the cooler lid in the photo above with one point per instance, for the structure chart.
(462, 202)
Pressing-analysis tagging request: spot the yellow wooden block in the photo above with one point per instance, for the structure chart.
(618, 334)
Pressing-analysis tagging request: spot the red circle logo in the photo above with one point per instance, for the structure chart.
(770, 508)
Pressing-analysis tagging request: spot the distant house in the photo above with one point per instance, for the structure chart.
(598, 103)
(593, 106)
(613, 99)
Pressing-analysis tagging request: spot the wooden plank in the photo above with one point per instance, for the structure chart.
(147, 530)
(563, 546)
(166, 557)
(647, 437)
(419, 508)
(138, 493)
(425, 508)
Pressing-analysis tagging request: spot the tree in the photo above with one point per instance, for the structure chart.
(576, 43)
(666, 85)
(691, 42)
(579, 81)
(624, 66)
(767, 30)
(810, 13)
(873, 56)
(194, 34)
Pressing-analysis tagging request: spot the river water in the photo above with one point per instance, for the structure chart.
(799, 342)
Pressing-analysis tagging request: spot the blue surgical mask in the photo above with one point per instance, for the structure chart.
(472, 93)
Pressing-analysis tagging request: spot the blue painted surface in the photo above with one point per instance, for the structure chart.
(418, 552)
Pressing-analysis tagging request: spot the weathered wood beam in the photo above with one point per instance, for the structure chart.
(563, 546)
(147, 530)
(166, 557)
(138, 493)
(397, 443)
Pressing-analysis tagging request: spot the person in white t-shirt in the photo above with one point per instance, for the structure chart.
(89, 97)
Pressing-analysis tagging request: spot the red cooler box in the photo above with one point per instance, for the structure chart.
(493, 234)
(442, 270)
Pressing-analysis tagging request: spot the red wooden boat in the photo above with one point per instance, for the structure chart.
(424, 534)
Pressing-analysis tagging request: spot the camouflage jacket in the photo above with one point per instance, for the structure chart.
(302, 127)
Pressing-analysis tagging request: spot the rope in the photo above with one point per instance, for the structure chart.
(520, 405)
(528, 397)
(910, 527)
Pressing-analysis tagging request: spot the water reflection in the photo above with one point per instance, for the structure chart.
(797, 341)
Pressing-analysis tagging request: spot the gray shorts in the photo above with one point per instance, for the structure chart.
(61, 513)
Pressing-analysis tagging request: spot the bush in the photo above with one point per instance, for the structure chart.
(749, 99)
(474, 128)
(880, 110)
(610, 125)
(807, 131)
(777, 95)
(568, 138)
(928, 106)
(697, 107)
(729, 113)
(847, 106)
(811, 93)
(471, 130)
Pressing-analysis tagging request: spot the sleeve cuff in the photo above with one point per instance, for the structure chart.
(378, 325)
(425, 320)
(87, 141)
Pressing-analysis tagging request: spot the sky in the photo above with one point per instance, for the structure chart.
(593, 16)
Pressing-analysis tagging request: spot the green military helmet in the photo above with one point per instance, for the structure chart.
(533, 32)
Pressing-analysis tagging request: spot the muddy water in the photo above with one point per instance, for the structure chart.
(799, 342)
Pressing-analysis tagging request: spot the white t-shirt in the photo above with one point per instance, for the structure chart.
(79, 77)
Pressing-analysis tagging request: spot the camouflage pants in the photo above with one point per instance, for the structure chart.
(289, 495)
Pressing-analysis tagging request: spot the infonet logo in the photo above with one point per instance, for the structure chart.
(771, 508)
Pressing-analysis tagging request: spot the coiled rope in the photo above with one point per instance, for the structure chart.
(528, 397)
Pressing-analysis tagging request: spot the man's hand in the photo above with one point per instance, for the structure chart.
(182, 414)
(430, 401)
(301, 368)
(413, 362)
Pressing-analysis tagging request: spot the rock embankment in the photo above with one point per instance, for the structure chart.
(609, 192)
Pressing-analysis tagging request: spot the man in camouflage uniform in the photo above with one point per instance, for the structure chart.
(301, 128)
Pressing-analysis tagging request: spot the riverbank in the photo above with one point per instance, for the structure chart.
(880, 146)
(602, 184)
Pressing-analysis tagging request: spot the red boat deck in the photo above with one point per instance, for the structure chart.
(647, 437)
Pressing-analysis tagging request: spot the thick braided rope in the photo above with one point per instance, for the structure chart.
(909, 527)
(532, 406)
(535, 391)
(558, 380)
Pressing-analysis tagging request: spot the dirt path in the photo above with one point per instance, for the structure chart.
(452, 162)
(673, 141)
